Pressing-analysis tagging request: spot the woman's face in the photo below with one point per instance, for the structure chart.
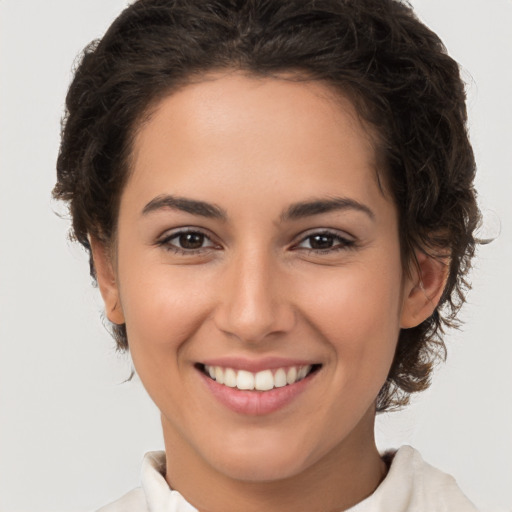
(255, 244)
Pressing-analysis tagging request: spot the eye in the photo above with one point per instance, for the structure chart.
(186, 242)
(190, 240)
(325, 241)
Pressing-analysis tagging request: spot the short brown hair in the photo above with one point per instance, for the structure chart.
(376, 52)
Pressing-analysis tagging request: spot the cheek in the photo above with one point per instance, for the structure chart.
(357, 312)
(163, 307)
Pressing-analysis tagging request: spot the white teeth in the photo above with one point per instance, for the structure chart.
(230, 378)
(219, 375)
(291, 376)
(260, 381)
(280, 378)
(302, 372)
(244, 380)
(264, 380)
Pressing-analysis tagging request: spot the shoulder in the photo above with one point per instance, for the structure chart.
(134, 501)
(413, 485)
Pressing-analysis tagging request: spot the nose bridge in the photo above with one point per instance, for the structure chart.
(252, 304)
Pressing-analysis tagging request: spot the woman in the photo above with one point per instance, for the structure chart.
(278, 202)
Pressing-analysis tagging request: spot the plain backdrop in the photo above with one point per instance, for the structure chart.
(72, 434)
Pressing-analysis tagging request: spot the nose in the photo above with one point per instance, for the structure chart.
(253, 303)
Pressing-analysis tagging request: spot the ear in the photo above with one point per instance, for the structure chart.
(423, 289)
(107, 282)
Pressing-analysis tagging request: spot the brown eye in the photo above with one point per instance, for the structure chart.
(191, 240)
(321, 241)
(187, 242)
(325, 242)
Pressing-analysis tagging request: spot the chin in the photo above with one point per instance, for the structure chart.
(268, 470)
(263, 461)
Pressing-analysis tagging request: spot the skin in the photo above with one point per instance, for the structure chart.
(255, 288)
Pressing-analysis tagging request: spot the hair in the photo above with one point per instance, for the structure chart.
(375, 52)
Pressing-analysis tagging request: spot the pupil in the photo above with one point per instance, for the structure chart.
(321, 241)
(191, 240)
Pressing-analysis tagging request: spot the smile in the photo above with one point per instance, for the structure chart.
(264, 380)
(255, 388)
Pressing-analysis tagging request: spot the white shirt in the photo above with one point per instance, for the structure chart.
(411, 485)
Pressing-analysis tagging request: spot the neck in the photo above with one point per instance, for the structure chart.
(349, 473)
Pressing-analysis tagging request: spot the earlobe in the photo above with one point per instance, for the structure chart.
(424, 289)
(107, 282)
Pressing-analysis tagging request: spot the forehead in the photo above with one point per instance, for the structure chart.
(253, 134)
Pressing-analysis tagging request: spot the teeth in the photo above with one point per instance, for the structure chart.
(264, 381)
(219, 375)
(302, 373)
(230, 378)
(280, 378)
(244, 380)
(260, 381)
(291, 375)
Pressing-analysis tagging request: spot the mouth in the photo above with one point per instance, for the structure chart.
(261, 381)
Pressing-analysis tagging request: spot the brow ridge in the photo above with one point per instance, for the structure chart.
(192, 206)
(295, 211)
(309, 208)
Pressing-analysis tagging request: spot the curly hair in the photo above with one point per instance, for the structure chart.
(375, 52)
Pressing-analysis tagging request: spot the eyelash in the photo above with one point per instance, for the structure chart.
(343, 243)
(166, 242)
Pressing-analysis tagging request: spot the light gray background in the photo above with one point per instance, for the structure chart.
(71, 434)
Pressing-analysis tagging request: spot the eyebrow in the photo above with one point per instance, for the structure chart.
(318, 206)
(295, 211)
(192, 206)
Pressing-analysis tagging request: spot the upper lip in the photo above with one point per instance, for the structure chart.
(256, 365)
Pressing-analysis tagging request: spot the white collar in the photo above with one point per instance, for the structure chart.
(411, 485)
(159, 496)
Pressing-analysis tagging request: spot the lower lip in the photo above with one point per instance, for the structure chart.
(257, 403)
